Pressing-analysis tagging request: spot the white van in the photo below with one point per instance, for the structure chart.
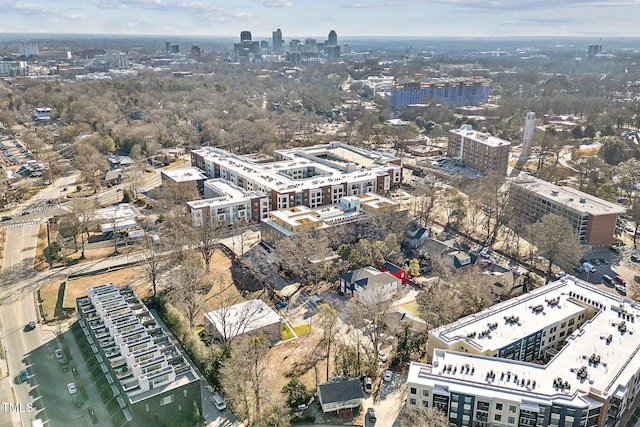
(589, 267)
(218, 402)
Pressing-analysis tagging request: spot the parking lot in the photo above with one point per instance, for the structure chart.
(608, 263)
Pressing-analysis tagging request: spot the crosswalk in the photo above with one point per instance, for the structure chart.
(36, 209)
(23, 224)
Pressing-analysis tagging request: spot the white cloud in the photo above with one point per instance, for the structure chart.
(275, 3)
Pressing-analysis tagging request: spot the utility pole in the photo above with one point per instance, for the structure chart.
(49, 246)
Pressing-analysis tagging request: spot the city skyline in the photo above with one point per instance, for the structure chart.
(402, 18)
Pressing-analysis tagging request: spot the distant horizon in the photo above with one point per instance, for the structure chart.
(349, 18)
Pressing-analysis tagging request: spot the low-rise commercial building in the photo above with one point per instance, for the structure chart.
(593, 219)
(151, 382)
(562, 355)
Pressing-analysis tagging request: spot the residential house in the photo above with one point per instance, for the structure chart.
(113, 177)
(116, 161)
(395, 271)
(248, 317)
(418, 236)
(340, 396)
(371, 281)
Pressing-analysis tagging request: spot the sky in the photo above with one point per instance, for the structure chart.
(315, 18)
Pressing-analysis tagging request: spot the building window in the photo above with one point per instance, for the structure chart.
(512, 409)
(511, 420)
(146, 407)
(425, 404)
(498, 417)
(413, 390)
(184, 392)
(498, 406)
(425, 392)
(167, 400)
(412, 401)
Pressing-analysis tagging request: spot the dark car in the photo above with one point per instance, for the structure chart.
(578, 269)
(594, 261)
(371, 414)
(24, 376)
(604, 261)
(282, 304)
(635, 258)
(6, 218)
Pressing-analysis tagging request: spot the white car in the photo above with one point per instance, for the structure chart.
(387, 375)
(218, 402)
(72, 388)
(59, 354)
(98, 196)
(382, 356)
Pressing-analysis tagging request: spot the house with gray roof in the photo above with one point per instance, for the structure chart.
(369, 280)
(340, 396)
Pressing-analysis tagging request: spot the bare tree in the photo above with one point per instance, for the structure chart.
(85, 214)
(152, 261)
(191, 284)
(422, 417)
(244, 378)
(330, 325)
(634, 215)
(454, 204)
(370, 311)
(439, 304)
(491, 193)
(428, 195)
(556, 240)
(207, 236)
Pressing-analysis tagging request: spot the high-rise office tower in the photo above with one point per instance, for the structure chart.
(28, 49)
(245, 36)
(528, 135)
(333, 38)
(277, 41)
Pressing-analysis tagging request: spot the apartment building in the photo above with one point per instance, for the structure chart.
(479, 150)
(150, 380)
(184, 178)
(227, 203)
(449, 91)
(593, 219)
(309, 176)
(283, 223)
(561, 355)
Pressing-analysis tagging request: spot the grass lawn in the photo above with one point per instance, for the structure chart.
(302, 329)
(287, 333)
(411, 307)
(40, 263)
(49, 298)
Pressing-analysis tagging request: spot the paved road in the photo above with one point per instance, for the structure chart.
(16, 311)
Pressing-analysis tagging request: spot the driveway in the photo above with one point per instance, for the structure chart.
(388, 402)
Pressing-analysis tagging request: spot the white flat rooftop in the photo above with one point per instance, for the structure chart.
(603, 336)
(567, 196)
(272, 175)
(242, 318)
(481, 137)
(185, 174)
